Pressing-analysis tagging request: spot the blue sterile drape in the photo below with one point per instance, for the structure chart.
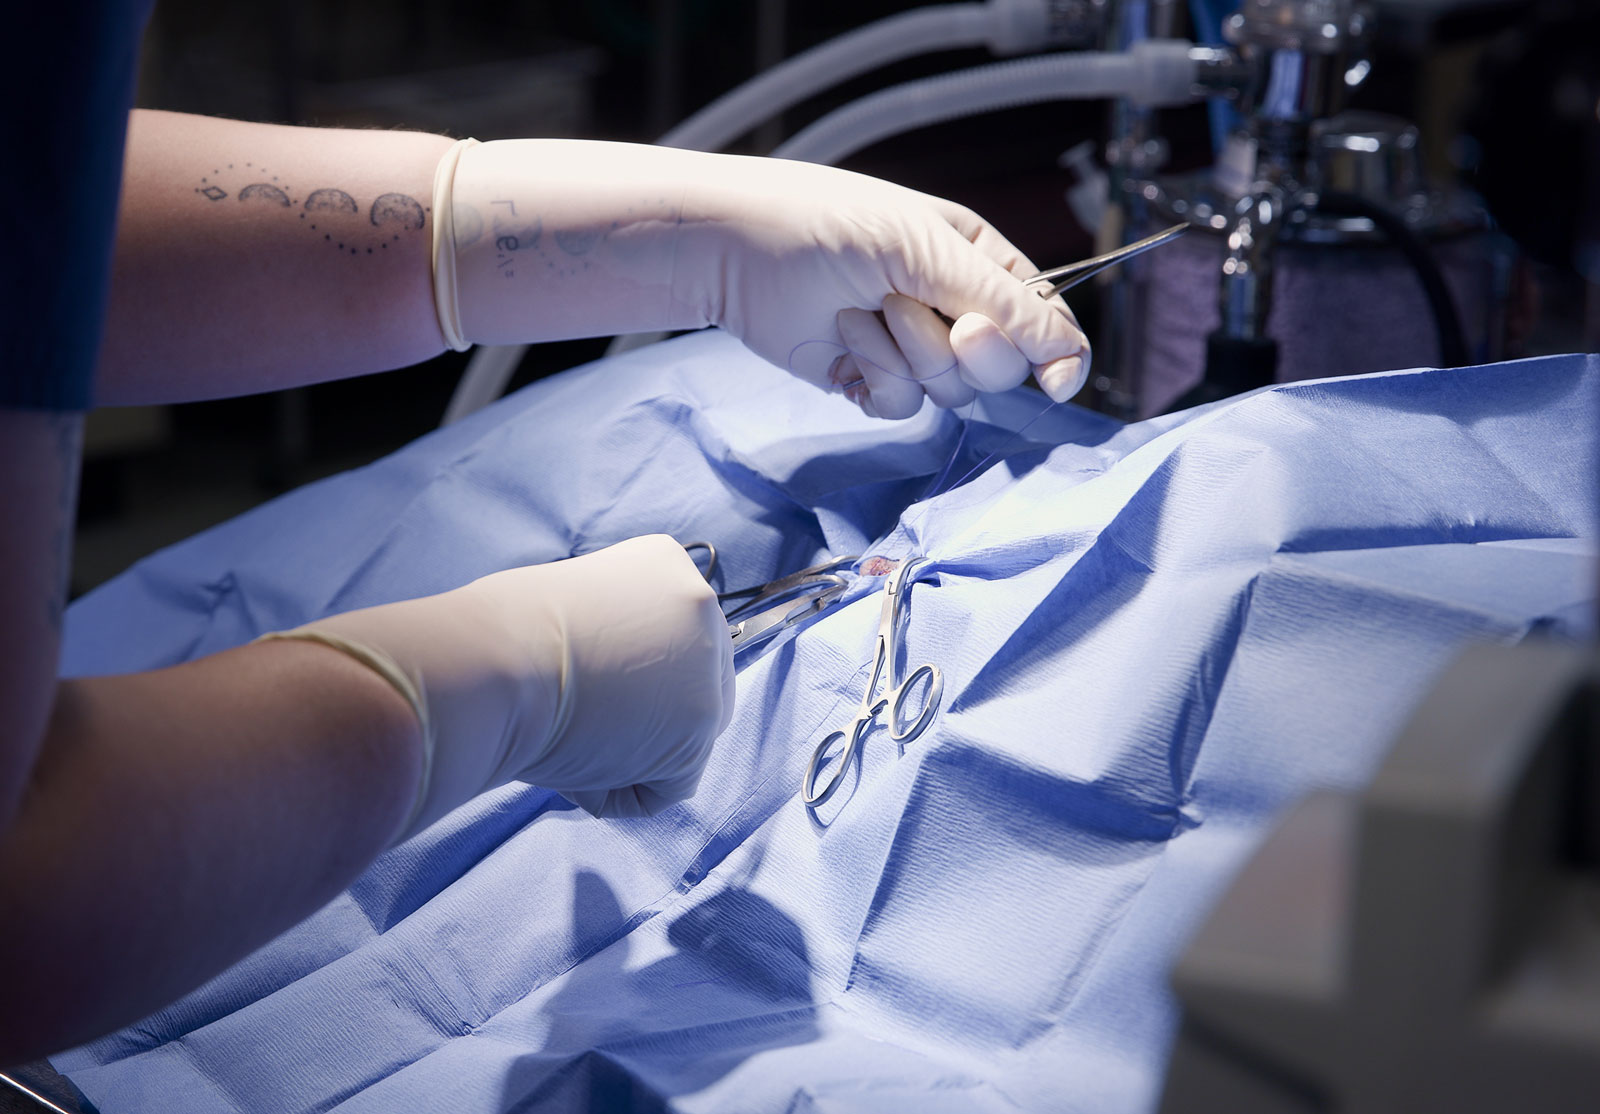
(1153, 637)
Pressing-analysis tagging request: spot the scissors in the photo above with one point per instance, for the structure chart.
(1059, 279)
(894, 698)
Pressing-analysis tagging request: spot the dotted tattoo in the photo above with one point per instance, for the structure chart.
(362, 227)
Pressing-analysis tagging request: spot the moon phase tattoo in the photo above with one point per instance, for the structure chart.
(519, 241)
(327, 212)
(578, 241)
(399, 210)
(264, 192)
(330, 201)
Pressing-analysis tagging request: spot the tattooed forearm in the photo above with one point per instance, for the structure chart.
(347, 225)
(68, 437)
(264, 192)
(398, 210)
(331, 201)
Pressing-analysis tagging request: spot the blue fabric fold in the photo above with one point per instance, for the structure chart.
(1154, 637)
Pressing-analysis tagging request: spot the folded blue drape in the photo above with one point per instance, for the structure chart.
(1153, 637)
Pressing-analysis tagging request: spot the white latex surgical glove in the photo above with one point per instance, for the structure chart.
(605, 677)
(835, 276)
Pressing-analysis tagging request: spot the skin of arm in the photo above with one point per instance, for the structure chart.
(252, 257)
(156, 827)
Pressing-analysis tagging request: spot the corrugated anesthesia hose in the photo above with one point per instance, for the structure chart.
(1154, 72)
(921, 31)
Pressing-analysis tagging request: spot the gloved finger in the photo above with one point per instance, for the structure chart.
(714, 630)
(924, 339)
(592, 801)
(643, 799)
(988, 359)
(649, 798)
(988, 240)
(985, 237)
(627, 803)
(894, 390)
(651, 801)
(1061, 379)
(956, 279)
(847, 375)
(730, 680)
(991, 362)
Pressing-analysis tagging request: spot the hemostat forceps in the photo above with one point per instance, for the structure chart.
(893, 700)
(1058, 279)
(780, 604)
(786, 586)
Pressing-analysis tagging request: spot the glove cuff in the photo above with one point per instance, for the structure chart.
(446, 300)
(387, 668)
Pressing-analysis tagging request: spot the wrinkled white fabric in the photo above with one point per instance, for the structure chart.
(605, 677)
(847, 281)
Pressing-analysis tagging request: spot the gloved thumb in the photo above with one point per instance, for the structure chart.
(989, 360)
(633, 801)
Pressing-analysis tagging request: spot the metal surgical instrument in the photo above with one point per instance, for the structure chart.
(712, 558)
(779, 604)
(1058, 279)
(767, 624)
(892, 701)
(770, 609)
(786, 586)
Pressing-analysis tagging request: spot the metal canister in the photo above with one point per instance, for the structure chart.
(1344, 300)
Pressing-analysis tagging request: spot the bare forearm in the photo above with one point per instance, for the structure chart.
(177, 820)
(157, 826)
(39, 452)
(251, 257)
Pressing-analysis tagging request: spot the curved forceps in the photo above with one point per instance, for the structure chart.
(893, 699)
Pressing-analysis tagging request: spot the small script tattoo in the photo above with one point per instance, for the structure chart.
(520, 241)
(334, 216)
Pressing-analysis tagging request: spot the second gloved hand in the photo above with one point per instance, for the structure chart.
(605, 677)
(837, 277)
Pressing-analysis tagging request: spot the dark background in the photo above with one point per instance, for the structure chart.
(1486, 79)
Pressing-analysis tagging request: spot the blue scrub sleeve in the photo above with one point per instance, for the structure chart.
(65, 93)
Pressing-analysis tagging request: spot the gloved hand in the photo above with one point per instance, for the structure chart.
(832, 275)
(605, 677)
